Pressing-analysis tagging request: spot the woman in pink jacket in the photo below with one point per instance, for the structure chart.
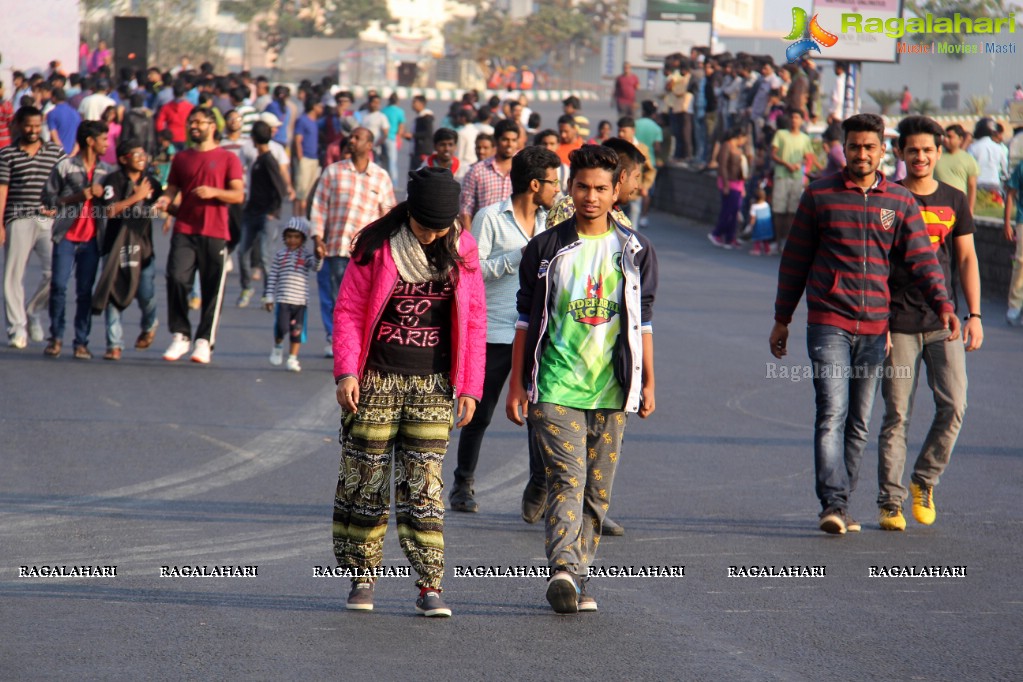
(409, 338)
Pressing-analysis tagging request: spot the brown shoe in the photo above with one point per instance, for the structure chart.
(111, 354)
(145, 339)
(82, 353)
(52, 349)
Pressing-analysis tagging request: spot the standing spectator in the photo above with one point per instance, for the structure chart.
(570, 107)
(992, 158)
(282, 109)
(129, 194)
(490, 181)
(444, 141)
(957, 167)
(732, 185)
(568, 136)
(351, 194)
(1013, 217)
(63, 122)
(833, 148)
(207, 178)
(410, 268)
(465, 147)
(99, 58)
(813, 87)
(836, 109)
(262, 96)
(173, 116)
(484, 146)
(502, 231)
(73, 192)
(791, 151)
(799, 90)
(287, 291)
(648, 175)
(6, 118)
(906, 102)
(307, 153)
(845, 280)
(422, 131)
(83, 55)
(139, 125)
(113, 135)
(678, 101)
(626, 85)
(25, 167)
(239, 101)
(395, 132)
(92, 107)
(266, 191)
(376, 122)
(706, 107)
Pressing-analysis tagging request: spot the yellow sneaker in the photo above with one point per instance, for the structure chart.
(891, 519)
(923, 503)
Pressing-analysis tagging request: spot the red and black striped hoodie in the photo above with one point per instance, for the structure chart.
(838, 251)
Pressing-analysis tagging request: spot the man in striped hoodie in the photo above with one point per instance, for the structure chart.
(844, 230)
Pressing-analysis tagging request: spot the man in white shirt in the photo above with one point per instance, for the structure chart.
(92, 107)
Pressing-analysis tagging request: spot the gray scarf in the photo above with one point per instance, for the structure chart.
(411, 260)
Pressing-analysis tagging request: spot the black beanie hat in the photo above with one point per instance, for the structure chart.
(433, 195)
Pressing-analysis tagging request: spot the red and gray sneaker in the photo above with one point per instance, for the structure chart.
(431, 605)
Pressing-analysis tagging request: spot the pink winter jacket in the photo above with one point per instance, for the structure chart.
(365, 290)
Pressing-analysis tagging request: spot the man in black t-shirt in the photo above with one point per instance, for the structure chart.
(129, 194)
(916, 334)
(267, 190)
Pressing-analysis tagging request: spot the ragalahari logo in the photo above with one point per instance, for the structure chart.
(807, 37)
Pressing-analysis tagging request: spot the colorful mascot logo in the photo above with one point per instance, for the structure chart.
(807, 38)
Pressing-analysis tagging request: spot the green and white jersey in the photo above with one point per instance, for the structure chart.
(576, 369)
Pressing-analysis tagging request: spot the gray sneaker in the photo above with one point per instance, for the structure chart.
(586, 601)
(431, 605)
(361, 597)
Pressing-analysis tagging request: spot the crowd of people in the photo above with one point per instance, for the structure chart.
(516, 258)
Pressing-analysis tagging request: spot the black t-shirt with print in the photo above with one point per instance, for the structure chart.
(413, 336)
(947, 216)
(118, 186)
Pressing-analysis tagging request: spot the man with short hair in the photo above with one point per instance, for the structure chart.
(208, 179)
(351, 194)
(626, 85)
(570, 106)
(791, 151)
(956, 166)
(489, 181)
(444, 143)
(174, 115)
(502, 231)
(93, 106)
(74, 193)
(377, 123)
(846, 229)
(63, 122)
(422, 131)
(918, 335)
(569, 138)
(307, 153)
(24, 169)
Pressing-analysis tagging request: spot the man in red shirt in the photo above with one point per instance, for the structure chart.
(174, 115)
(207, 178)
(626, 86)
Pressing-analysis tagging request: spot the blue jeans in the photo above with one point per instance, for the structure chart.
(146, 296)
(254, 247)
(328, 281)
(847, 371)
(83, 259)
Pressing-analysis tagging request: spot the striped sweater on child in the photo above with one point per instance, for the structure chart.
(288, 281)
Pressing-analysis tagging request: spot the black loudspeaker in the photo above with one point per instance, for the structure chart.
(131, 42)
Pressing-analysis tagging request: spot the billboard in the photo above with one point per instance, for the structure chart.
(671, 26)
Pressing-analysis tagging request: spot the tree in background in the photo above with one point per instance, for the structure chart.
(885, 99)
(278, 21)
(561, 33)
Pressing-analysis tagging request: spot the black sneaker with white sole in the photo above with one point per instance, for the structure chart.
(361, 597)
(431, 605)
(563, 593)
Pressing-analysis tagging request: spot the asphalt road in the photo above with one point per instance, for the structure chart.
(143, 464)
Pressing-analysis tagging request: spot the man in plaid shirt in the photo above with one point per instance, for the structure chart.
(489, 182)
(351, 194)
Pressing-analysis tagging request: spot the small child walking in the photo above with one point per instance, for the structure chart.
(287, 291)
(761, 224)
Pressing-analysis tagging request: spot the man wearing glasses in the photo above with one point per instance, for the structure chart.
(501, 231)
(207, 178)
